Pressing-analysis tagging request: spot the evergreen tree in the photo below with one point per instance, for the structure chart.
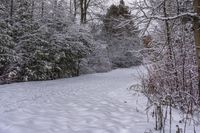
(117, 21)
(47, 47)
(6, 44)
(30, 43)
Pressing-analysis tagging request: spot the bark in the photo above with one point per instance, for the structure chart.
(85, 12)
(197, 34)
(42, 12)
(11, 9)
(82, 10)
(55, 9)
(32, 10)
(70, 8)
(84, 4)
(75, 9)
(168, 35)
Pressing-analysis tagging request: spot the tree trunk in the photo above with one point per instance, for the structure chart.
(85, 12)
(70, 6)
(84, 4)
(42, 12)
(75, 9)
(32, 10)
(55, 10)
(11, 9)
(197, 34)
(82, 10)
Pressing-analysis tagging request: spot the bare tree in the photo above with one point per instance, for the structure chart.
(84, 4)
(172, 78)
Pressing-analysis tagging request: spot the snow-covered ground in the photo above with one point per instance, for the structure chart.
(95, 103)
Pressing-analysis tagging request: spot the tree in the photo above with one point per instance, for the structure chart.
(118, 21)
(11, 9)
(172, 77)
(197, 34)
(75, 9)
(40, 46)
(7, 53)
(89, 9)
(121, 34)
(84, 4)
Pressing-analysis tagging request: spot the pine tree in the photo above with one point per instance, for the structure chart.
(6, 45)
(47, 47)
(30, 43)
(118, 21)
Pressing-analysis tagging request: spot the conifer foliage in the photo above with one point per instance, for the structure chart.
(40, 47)
(117, 21)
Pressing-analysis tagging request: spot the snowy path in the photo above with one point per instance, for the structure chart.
(96, 103)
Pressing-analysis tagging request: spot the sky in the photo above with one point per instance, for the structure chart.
(117, 1)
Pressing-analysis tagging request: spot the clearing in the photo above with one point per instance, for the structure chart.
(94, 103)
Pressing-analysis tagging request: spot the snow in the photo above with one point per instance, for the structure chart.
(95, 103)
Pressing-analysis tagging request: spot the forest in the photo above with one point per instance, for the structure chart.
(83, 46)
(44, 40)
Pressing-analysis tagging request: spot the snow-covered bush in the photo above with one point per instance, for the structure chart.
(47, 48)
(98, 60)
(130, 58)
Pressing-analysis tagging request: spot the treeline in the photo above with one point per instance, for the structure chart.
(40, 41)
(47, 39)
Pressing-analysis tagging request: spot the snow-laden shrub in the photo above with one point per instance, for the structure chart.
(130, 58)
(54, 57)
(46, 48)
(98, 60)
